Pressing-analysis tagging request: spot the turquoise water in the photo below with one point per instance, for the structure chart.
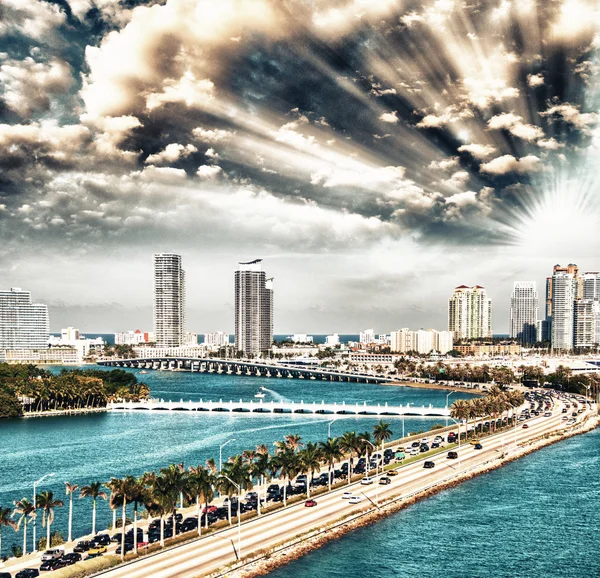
(84, 448)
(537, 517)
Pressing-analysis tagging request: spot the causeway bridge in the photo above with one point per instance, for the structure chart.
(282, 407)
(238, 367)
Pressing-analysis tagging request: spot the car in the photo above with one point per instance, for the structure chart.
(82, 546)
(103, 539)
(392, 473)
(384, 481)
(213, 509)
(525, 426)
(452, 455)
(310, 503)
(72, 556)
(128, 548)
(413, 452)
(99, 549)
(565, 417)
(97, 554)
(415, 444)
(355, 500)
(435, 445)
(366, 481)
(429, 464)
(548, 414)
(478, 446)
(52, 554)
(5, 575)
(424, 448)
(48, 565)
(28, 573)
(346, 495)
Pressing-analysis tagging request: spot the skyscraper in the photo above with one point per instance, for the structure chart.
(169, 300)
(253, 309)
(586, 332)
(470, 313)
(564, 294)
(524, 312)
(23, 324)
(591, 286)
(571, 269)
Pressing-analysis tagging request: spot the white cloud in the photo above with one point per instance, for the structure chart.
(391, 117)
(365, 177)
(535, 80)
(211, 135)
(209, 172)
(171, 153)
(212, 154)
(33, 19)
(479, 151)
(188, 90)
(571, 114)
(515, 125)
(444, 164)
(508, 163)
(431, 121)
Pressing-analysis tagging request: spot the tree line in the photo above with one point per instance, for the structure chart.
(28, 388)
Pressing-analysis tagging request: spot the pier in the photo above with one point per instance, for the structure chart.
(248, 368)
(282, 407)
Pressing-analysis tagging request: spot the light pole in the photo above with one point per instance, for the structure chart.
(376, 472)
(458, 423)
(329, 428)
(239, 516)
(35, 484)
(221, 452)
(447, 405)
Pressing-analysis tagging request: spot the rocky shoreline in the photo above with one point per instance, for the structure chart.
(474, 390)
(266, 562)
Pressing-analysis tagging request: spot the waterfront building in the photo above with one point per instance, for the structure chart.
(332, 340)
(218, 339)
(169, 300)
(475, 349)
(134, 337)
(524, 312)
(296, 350)
(71, 338)
(302, 338)
(586, 331)
(23, 324)
(422, 341)
(58, 355)
(565, 288)
(367, 336)
(253, 309)
(193, 351)
(190, 338)
(470, 313)
(591, 286)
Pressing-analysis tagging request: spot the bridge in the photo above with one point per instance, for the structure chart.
(237, 367)
(282, 407)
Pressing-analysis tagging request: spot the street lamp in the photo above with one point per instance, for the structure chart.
(458, 423)
(329, 427)
(376, 472)
(239, 516)
(35, 484)
(221, 452)
(447, 405)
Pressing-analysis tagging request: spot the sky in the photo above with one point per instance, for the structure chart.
(375, 154)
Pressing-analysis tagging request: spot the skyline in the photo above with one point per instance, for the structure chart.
(361, 149)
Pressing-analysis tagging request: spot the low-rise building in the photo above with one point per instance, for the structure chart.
(58, 355)
(194, 351)
(217, 339)
(489, 349)
(134, 337)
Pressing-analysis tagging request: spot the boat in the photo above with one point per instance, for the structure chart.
(259, 394)
(143, 372)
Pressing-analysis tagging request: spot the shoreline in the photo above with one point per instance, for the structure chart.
(58, 412)
(416, 385)
(288, 552)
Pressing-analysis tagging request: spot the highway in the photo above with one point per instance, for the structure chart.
(214, 551)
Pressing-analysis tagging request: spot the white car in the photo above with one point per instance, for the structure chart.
(346, 495)
(52, 554)
(366, 481)
(355, 500)
(413, 452)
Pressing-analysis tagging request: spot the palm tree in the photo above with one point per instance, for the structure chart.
(121, 492)
(137, 487)
(365, 446)
(116, 499)
(177, 478)
(349, 443)
(382, 433)
(163, 500)
(200, 486)
(292, 441)
(331, 452)
(45, 501)
(286, 463)
(70, 489)
(260, 468)
(309, 463)
(26, 511)
(94, 491)
(5, 520)
(459, 410)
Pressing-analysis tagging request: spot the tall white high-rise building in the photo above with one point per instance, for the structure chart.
(470, 313)
(367, 336)
(23, 324)
(564, 294)
(524, 312)
(591, 286)
(586, 331)
(169, 300)
(253, 309)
